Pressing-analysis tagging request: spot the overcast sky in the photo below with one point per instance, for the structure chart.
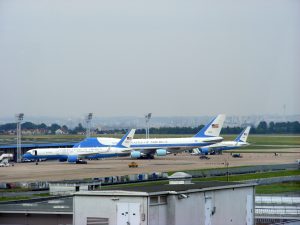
(173, 58)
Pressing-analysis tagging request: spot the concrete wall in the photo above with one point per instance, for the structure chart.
(104, 207)
(228, 206)
(158, 214)
(218, 207)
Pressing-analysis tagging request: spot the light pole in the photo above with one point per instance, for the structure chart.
(88, 121)
(227, 169)
(19, 118)
(147, 119)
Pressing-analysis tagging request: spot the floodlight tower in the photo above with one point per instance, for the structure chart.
(19, 118)
(88, 121)
(147, 119)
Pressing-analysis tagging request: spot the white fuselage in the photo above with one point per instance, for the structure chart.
(165, 143)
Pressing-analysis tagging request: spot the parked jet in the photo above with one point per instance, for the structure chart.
(147, 148)
(240, 141)
(75, 155)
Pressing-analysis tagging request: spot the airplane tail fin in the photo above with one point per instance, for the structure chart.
(212, 129)
(125, 142)
(244, 135)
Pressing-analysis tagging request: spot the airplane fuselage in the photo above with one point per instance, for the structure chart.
(156, 143)
(64, 153)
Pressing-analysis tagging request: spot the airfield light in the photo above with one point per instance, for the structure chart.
(88, 121)
(147, 119)
(19, 117)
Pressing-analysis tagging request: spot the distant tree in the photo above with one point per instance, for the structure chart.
(262, 127)
(29, 126)
(78, 129)
(54, 127)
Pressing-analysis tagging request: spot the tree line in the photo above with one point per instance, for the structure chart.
(262, 128)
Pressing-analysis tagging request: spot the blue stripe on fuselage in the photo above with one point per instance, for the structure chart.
(93, 142)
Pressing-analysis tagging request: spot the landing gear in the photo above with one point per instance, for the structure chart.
(81, 162)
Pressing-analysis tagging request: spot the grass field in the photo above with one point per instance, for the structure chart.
(293, 187)
(257, 141)
(264, 189)
(23, 197)
(252, 176)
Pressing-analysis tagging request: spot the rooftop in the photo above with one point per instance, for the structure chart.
(154, 189)
(55, 206)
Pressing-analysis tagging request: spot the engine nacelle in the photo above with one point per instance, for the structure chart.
(72, 158)
(135, 154)
(161, 152)
(204, 151)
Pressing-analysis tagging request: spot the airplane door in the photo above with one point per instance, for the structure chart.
(208, 209)
(35, 152)
(128, 214)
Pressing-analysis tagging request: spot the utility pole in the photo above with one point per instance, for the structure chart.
(19, 118)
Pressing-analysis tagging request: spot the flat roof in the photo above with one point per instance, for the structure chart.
(167, 188)
(62, 205)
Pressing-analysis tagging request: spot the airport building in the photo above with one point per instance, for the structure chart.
(179, 202)
(204, 203)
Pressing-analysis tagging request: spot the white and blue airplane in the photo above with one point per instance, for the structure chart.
(147, 148)
(75, 155)
(239, 142)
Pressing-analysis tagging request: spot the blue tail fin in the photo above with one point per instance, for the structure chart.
(125, 142)
(212, 129)
(88, 142)
(244, 135)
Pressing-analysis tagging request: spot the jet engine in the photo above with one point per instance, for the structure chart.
(161, 152)
(72, 158)
(135, 154)
(204, 151)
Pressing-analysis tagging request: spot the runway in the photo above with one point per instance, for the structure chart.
(54, 170)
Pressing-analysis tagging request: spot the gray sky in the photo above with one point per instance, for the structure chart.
(118, 58)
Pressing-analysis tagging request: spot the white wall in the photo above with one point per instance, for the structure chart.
(103, 206)
(230, 208)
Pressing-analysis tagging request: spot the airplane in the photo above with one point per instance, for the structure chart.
(147, 148)
(75, 155)
(240, 141)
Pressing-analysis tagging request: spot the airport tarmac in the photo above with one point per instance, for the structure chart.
(54, 170)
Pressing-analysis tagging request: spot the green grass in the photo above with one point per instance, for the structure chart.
(12, 198)
(278, 188)
(218, 178)
(4, 199)
(150, 183)
(254, 139)
(252, 176)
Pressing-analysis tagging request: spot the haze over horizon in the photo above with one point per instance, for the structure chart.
(172, 58)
